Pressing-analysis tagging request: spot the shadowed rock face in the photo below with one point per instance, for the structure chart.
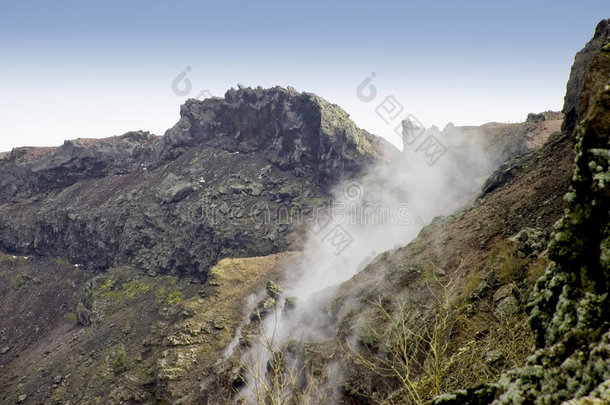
(211, 187)
(295, 131)
(29, 170)
(578, 90)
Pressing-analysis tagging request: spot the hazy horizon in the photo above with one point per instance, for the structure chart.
(85, 70)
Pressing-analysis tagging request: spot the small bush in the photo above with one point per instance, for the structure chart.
(70, 316)
(119, 363)
(174, 298)
(508, 264)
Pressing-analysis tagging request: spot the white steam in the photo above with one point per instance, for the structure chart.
(384, 209)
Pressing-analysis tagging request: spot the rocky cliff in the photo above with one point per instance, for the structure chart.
(214, 185)
(581, 85)
(141, 200)
(296, 131)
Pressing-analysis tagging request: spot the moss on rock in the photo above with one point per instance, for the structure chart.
(571, 308)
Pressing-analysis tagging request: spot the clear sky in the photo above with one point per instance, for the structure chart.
(100, 68)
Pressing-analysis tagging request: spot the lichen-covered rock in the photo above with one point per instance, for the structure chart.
(531, 241)
(274, 290)
(506, 302)
(506, 308)
(263, 308)
(480, 291)
(508, 290)
(474, 396)
(172, 189)
(494, 357)
(571, 306)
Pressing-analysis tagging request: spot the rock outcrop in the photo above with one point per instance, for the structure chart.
(508, 149)
(296, 131)
(233, 177)
(581, 87)
(27, 171)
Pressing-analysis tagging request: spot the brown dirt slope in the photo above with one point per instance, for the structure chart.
(152, 339)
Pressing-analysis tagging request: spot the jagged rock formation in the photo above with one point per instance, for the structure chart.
(27, 171)
(216, 185)
(295, 130)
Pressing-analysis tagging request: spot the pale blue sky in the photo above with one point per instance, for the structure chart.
(91, 69)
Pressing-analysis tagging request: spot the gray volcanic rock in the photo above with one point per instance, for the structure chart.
(28, 170)
(211, 187)
(500, 177)
(296, 131)
(510, 148)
